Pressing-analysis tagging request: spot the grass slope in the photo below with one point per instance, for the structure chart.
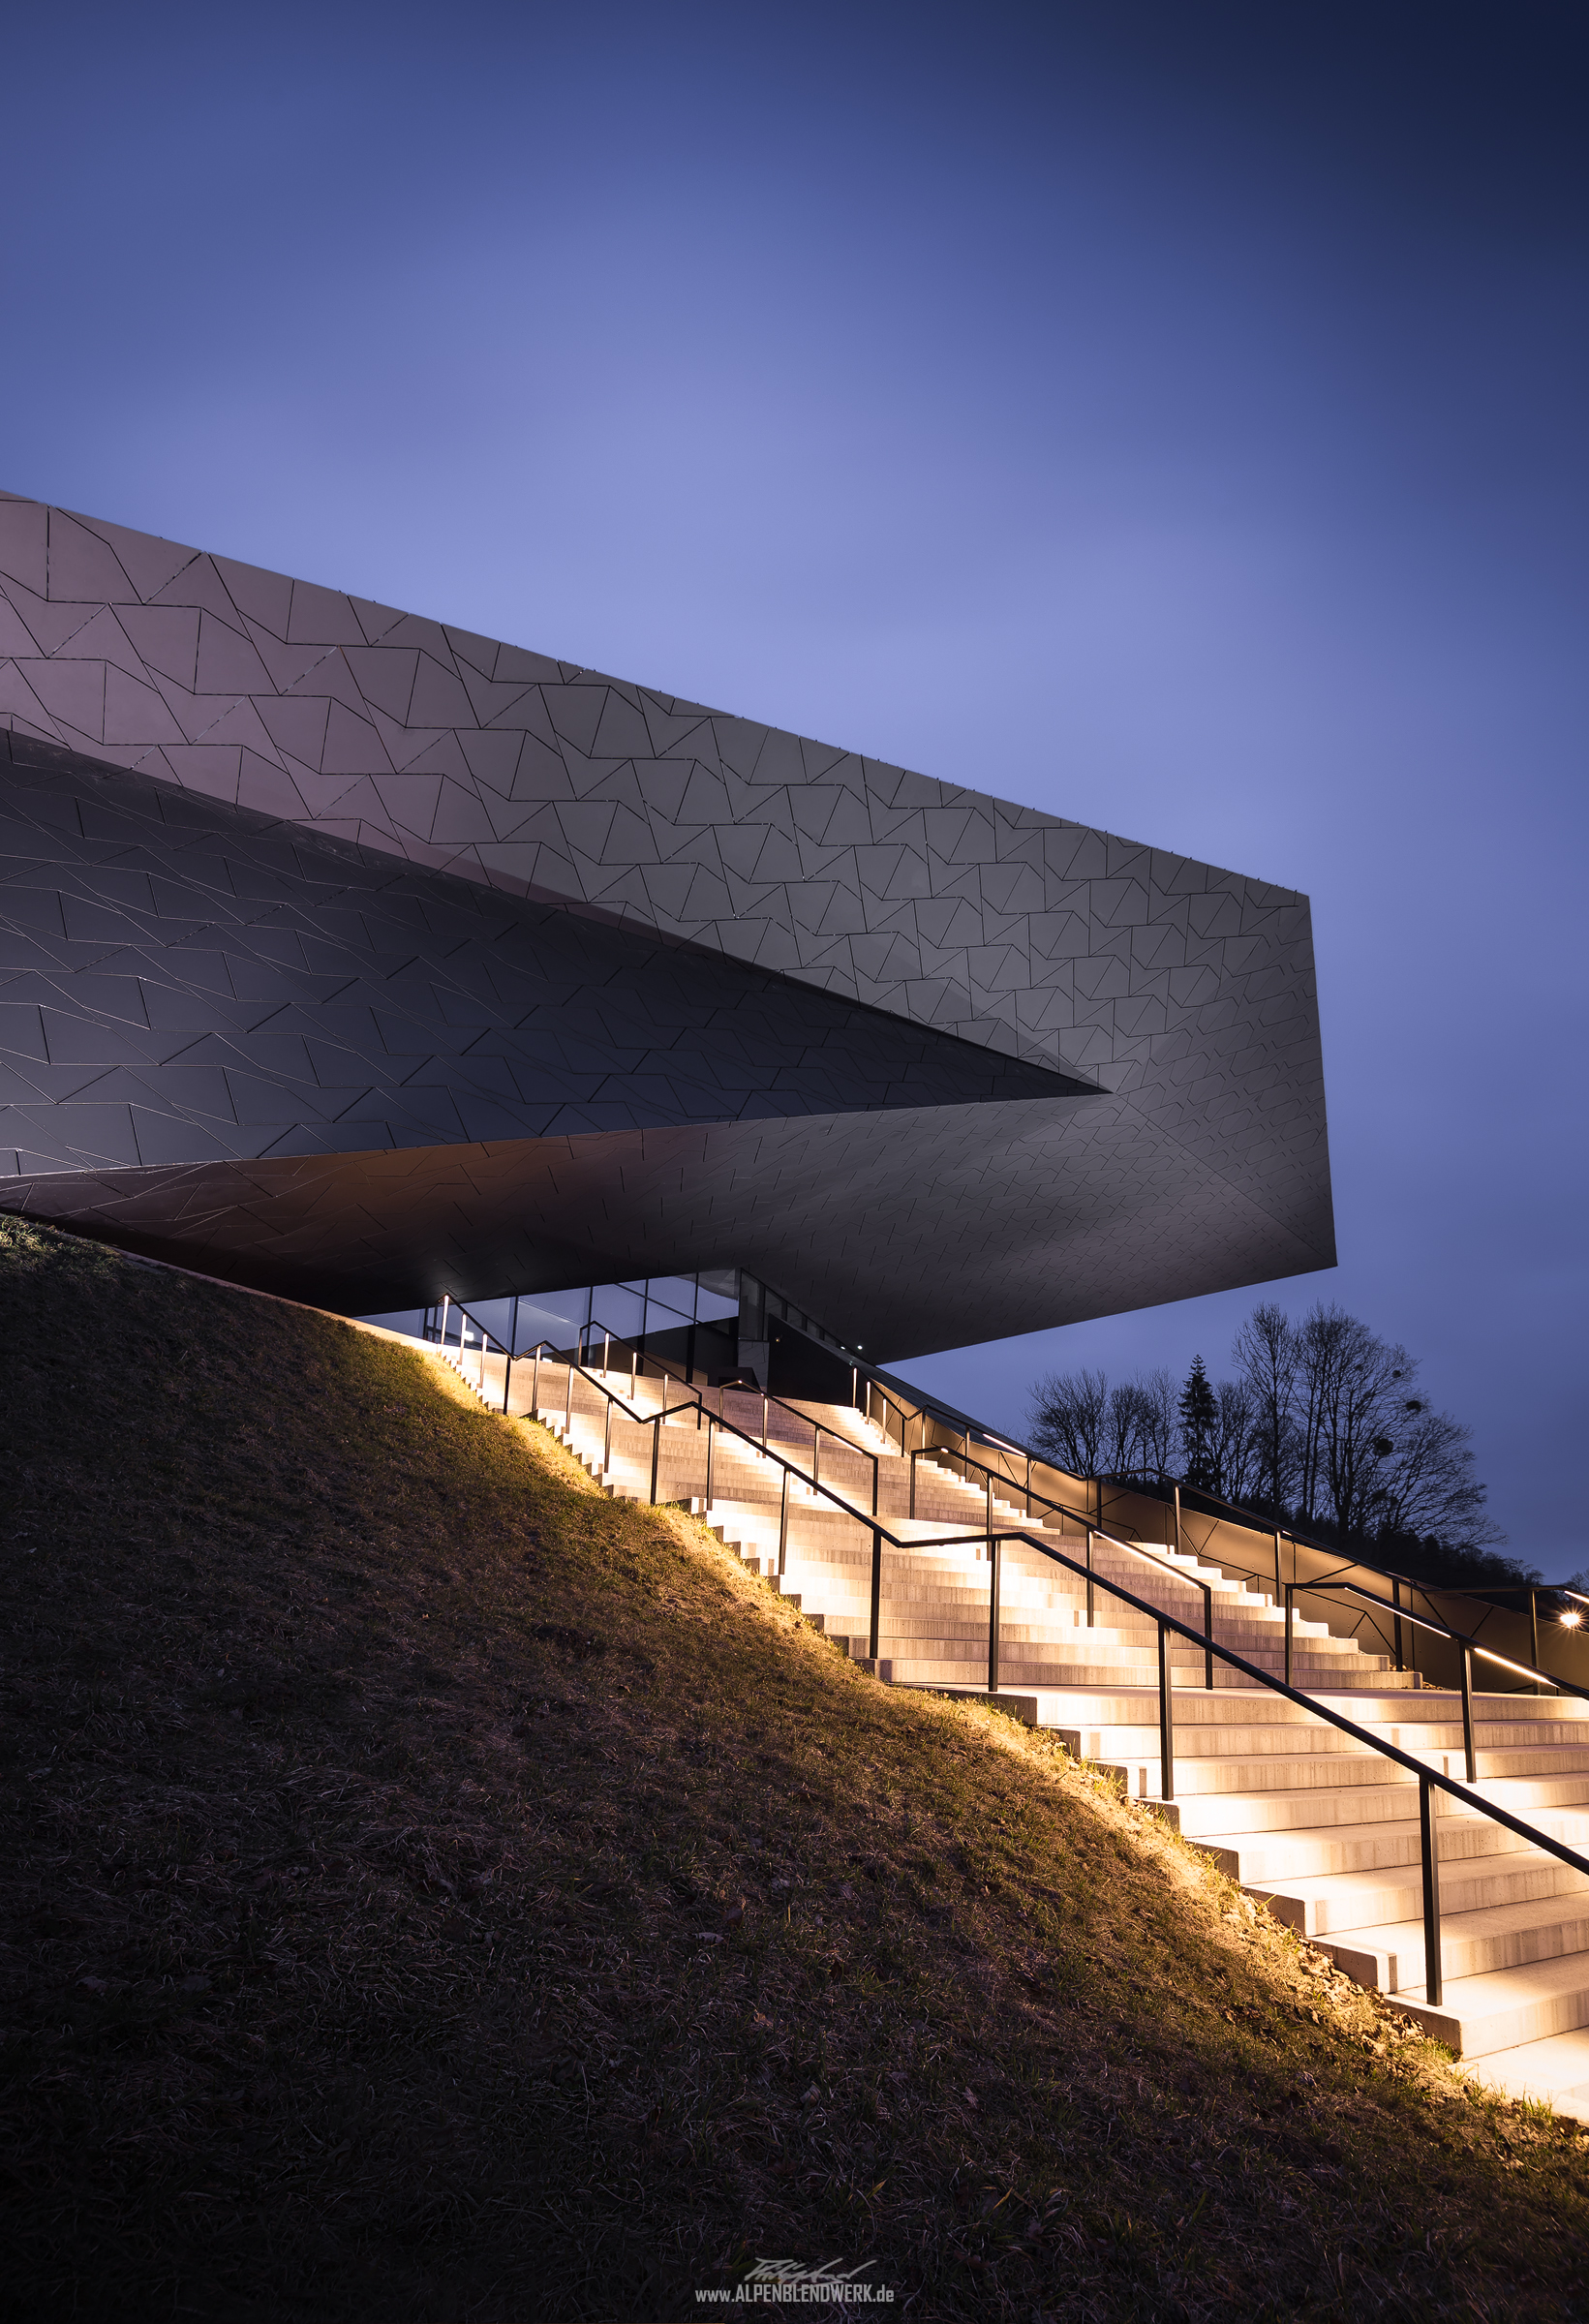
(372, 1792)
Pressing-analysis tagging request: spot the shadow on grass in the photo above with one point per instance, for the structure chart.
(436, 1892)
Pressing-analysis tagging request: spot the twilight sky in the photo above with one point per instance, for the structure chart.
(1169, 415)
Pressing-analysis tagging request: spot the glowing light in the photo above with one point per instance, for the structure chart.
(1571, 1620)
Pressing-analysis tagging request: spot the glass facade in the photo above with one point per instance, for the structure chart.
(707, 1326)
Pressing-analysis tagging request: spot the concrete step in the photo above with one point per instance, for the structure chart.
(1343, 1904)
(1504, 2009)
(1276, 1853)
(1315, 1820)
(1479, 1942)
(1537, 1799)
(1554, 2070)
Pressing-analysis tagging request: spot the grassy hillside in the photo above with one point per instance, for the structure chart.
(434, 1892)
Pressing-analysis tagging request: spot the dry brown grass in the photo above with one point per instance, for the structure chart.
(374, 1791)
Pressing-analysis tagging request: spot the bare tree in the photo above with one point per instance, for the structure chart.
(1265, 1355)
(1373, 1458)
(1318, 1344)
(1430, 1486)
(1324, 1420)
(1154, 1425)
(1085, 1426)
(1359, 1422)
(1068, 1416)
(1122, 1432)
(1235, 1457)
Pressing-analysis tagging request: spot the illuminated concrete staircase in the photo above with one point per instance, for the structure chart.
(1318, 1825)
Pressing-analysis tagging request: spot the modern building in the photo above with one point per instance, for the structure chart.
(354, 955)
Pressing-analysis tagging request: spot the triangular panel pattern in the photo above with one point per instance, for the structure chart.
(1186, 990)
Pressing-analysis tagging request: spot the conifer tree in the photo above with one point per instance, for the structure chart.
(1199, 1412)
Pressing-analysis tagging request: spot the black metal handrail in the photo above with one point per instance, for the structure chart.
(714, 1421)
(610, 1337)
(718, 1421)
(1249, 1520)
(639, 1358)
(1428, 1779)
(1254, 1520)
(1027, 1491)
(1077, 1517)
(1399, 1613)
(927, 1411)
(1467, 1649)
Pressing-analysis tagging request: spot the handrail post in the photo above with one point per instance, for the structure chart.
(876, 1481)
(816, 1453)
(1291, 1601)
(1467, 1711)
(914, 1457)
(507, 1374)
(1429, 1843)
(710, 1440)
(1167, 1720)
(656, 1454)
(534, 1385)
(1396, 1600)
(1534, 1636)
(876, 1589)
(606, 1441)
(1179, 1550)
(1208, 1635)
(992, 1614)
(1090, 1606)
(784, 1526)
(568, 1415)
(442, 1335)
(990, 1509)
(764, 1419)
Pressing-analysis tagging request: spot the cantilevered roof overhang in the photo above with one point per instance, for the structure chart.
(359, 957)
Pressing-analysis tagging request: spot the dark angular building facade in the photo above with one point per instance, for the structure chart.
(360, 958)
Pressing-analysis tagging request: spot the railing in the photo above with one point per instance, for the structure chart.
(1286, 1593)
(1186, 1503)
(1520, 1599)
(719, 1423)
(901, 1420)
(1167, 1626)
(1467, 1649)
(1022, 1488)
(819, 1428)
(714, 1421)
(769, 1403)
(1429, 1779)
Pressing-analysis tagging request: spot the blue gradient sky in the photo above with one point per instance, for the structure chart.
(1170, 416)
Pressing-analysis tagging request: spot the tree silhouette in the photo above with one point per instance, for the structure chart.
(1323, 1426)
(1198, 1414)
